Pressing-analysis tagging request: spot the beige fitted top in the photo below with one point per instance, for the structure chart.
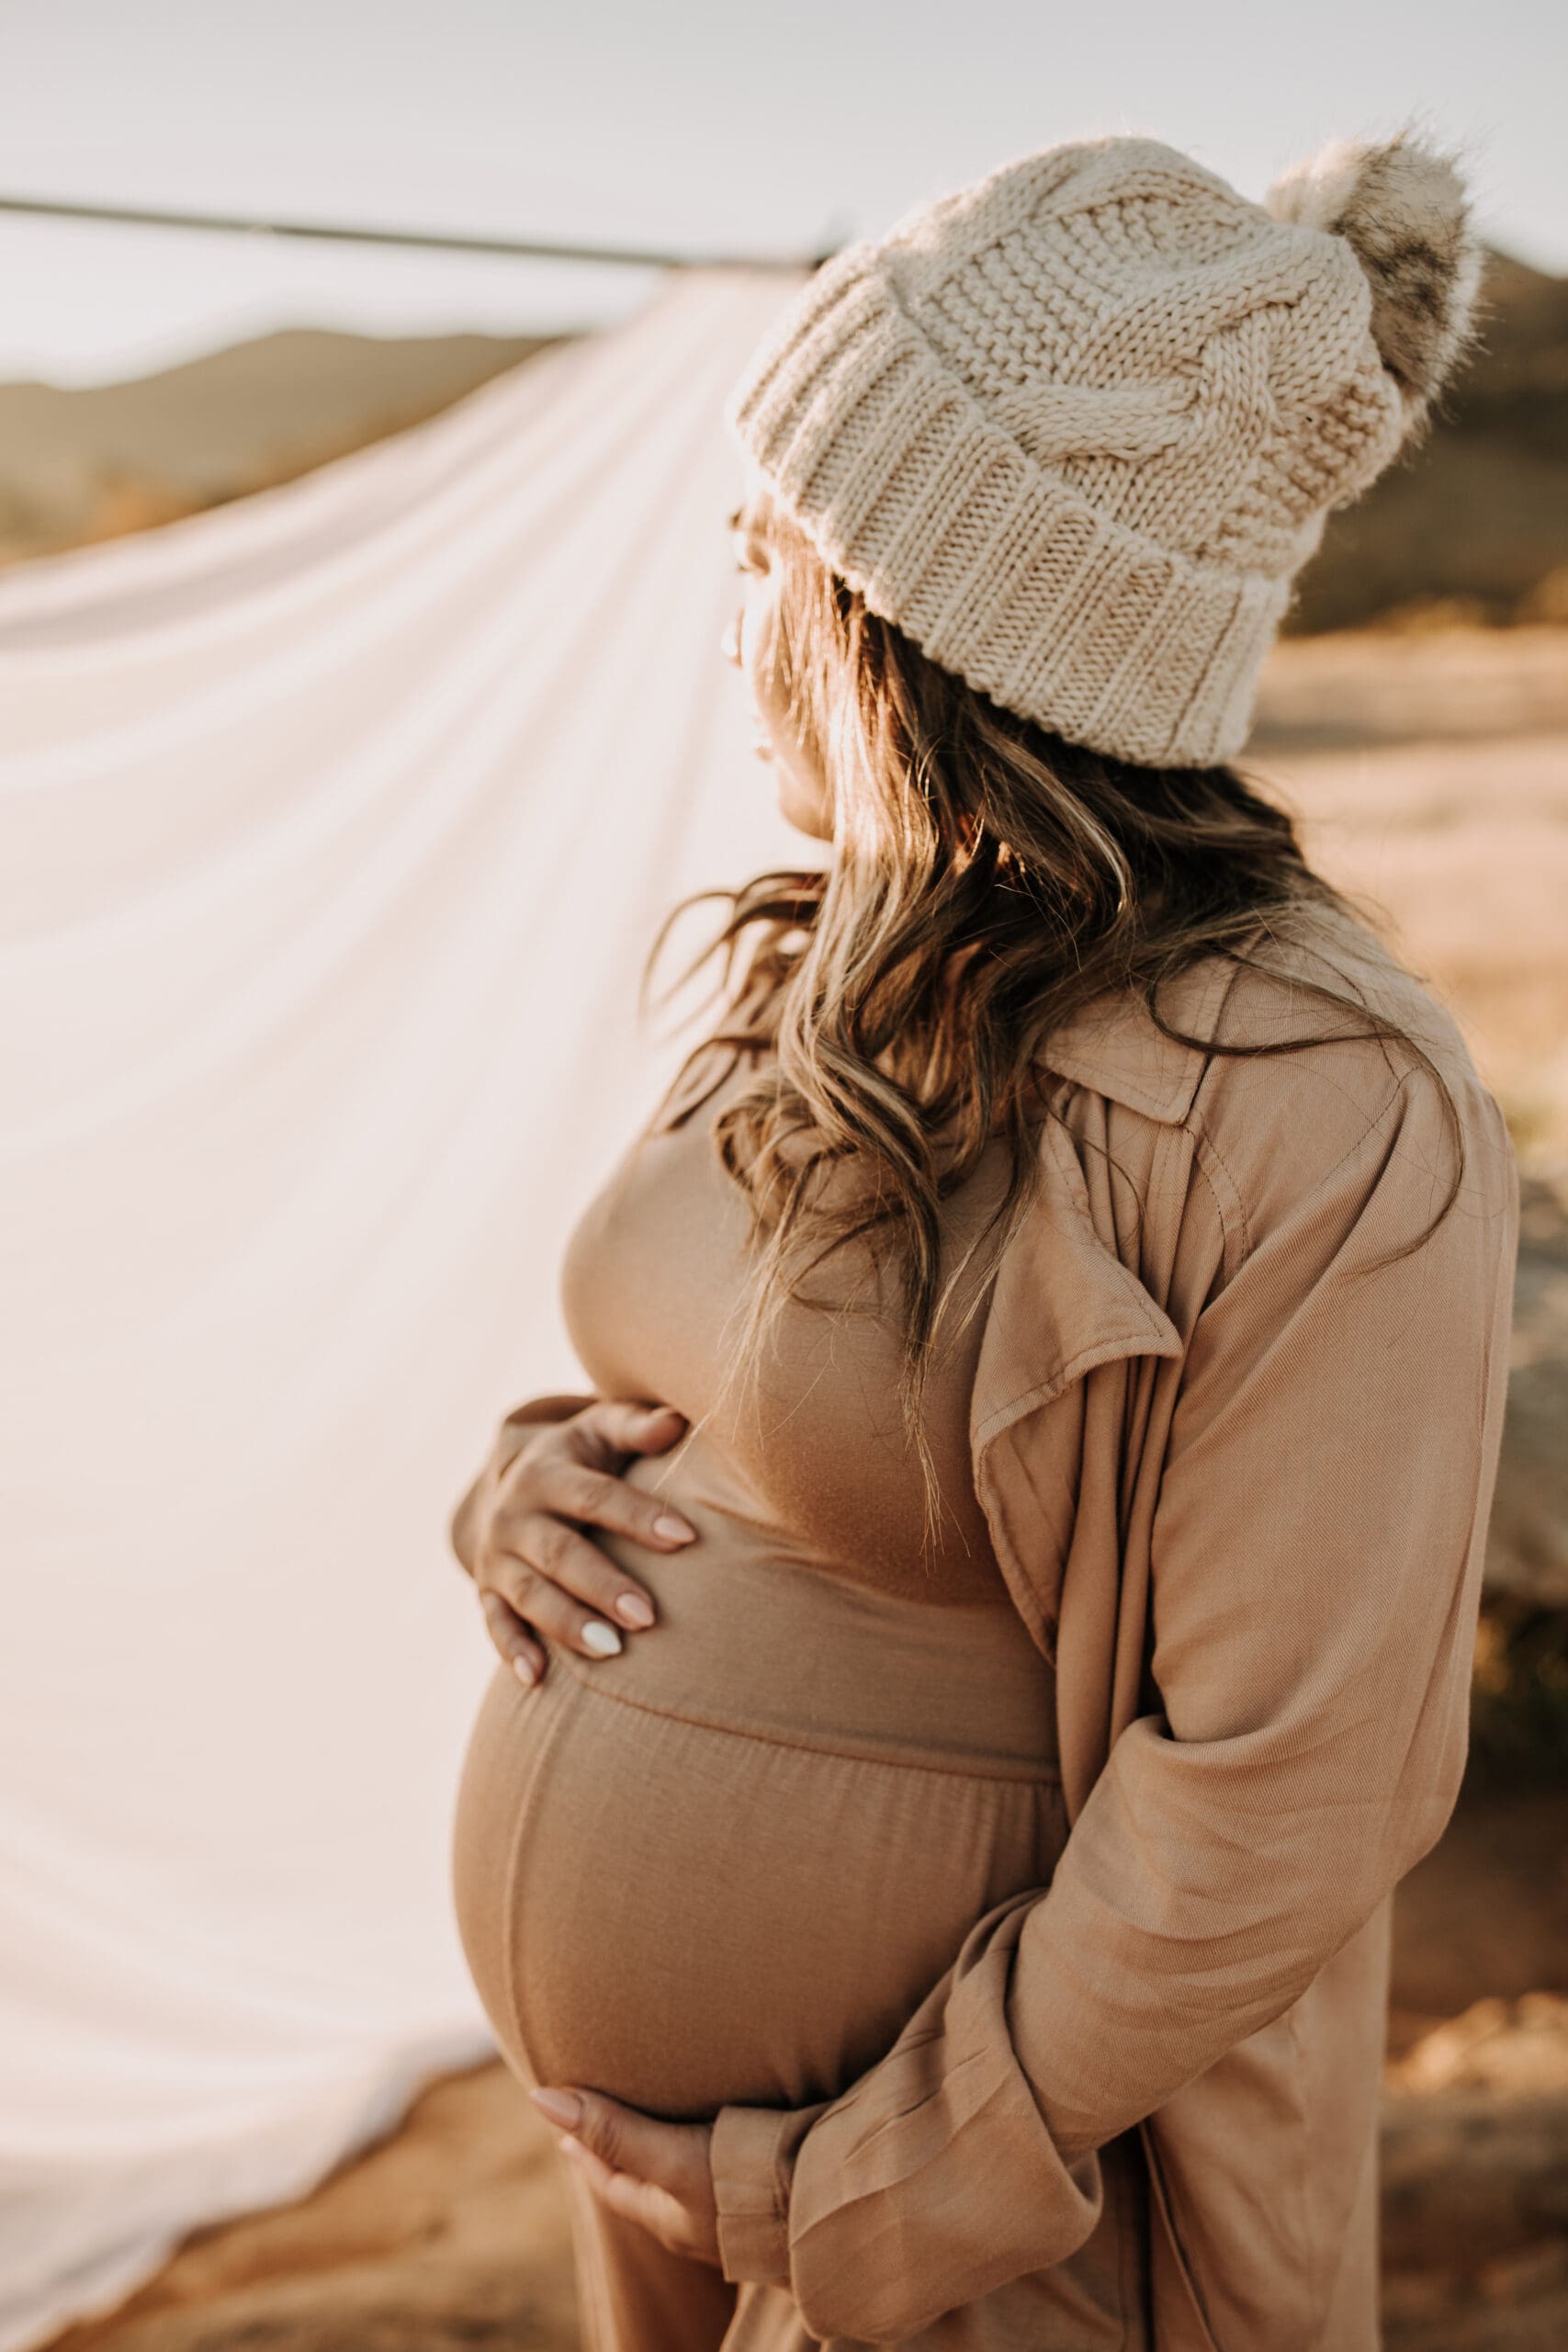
(811, 1463)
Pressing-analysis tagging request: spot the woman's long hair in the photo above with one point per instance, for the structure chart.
(989, 877)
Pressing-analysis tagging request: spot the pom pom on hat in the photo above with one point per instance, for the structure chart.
(1404, 208)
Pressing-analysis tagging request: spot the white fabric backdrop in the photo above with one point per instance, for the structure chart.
(337, 825)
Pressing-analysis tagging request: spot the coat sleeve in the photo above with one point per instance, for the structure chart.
(1317, 1557)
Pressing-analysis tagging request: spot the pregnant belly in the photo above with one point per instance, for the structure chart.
(727, 1865)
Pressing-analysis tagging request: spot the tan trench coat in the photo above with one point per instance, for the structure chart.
(1238, 1479)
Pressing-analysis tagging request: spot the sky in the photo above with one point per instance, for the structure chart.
(734, 128)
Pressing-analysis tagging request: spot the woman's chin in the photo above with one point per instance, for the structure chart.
(798, 804)
(802, 810)
(809, 821)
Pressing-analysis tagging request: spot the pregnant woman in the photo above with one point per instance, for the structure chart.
(929, 1847)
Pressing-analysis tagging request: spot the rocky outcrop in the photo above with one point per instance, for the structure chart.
(1476, 2183)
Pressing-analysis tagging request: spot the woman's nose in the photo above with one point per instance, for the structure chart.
(729, 643)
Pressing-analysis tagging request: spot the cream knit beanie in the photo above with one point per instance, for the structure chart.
(1074, 428)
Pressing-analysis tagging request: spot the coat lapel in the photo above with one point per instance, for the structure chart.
(1065, 1300)
(1053, 1484)
(1062, 1303)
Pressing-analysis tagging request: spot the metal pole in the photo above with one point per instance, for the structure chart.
(431, 239)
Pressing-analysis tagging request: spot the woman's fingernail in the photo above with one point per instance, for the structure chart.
(602, 1639)
(633, 1610)
(673, 1530)
(561, 2106)
(525, 1670)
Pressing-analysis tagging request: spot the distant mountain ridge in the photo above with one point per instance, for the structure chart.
(88, 463)
(1472, 525)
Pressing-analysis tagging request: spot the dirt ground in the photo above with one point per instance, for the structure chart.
(1430, 771)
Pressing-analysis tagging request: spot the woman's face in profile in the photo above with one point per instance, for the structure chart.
(749, 643)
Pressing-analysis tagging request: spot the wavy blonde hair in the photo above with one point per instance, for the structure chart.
(989, 877)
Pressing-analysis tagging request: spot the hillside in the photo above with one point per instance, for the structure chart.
(1471, 526)
(77, 464)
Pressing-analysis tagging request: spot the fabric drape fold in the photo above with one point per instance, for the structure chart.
(335, 827)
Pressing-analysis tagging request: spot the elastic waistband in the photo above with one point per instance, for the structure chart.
(764, 1646)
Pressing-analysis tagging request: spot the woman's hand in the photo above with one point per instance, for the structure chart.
(658, 2175)
(516, 1529)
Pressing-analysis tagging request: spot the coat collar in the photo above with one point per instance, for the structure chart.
(1064, 1300)
(1112, 1047)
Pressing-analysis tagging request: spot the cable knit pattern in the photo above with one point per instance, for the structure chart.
(1077, 427)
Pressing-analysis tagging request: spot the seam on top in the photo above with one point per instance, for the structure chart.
(1044, 1775)
(1234, 1228)
(1204, 1136)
